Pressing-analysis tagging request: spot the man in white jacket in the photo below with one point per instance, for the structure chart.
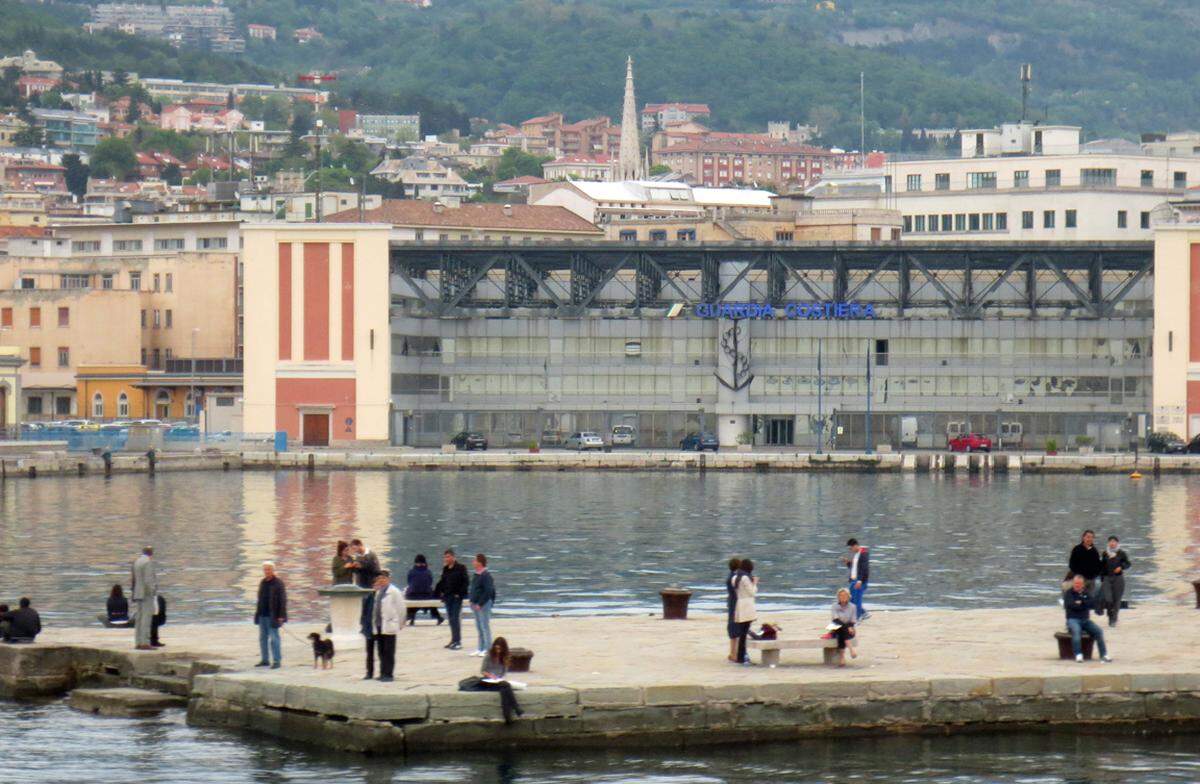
(389, 613)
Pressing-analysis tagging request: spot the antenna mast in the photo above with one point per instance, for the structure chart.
(1026, 78)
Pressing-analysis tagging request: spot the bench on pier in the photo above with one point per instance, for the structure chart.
(413, 605)
(770, 648)
(1065, 651)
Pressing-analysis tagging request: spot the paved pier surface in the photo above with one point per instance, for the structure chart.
(612, 680)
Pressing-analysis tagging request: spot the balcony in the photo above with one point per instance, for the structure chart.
(205, 367)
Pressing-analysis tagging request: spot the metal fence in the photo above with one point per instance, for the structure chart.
(176, 439)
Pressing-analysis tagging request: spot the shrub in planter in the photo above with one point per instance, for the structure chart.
(1051, 446)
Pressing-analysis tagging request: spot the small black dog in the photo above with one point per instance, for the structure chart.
(322, 652)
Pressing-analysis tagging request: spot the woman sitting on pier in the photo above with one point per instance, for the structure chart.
(845, 615)
(117, 609)
(492, 678)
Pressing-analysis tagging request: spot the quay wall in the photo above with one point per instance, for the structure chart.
(421, 719)
(61, 463)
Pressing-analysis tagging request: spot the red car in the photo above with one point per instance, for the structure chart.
(972, 442)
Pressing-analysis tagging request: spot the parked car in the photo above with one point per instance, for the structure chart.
(971, 442)
(698, 442)
(32, 427)
(551, 438)
(584, 439)
(182, 433)
(468, 440)
(1165, 443)
(624, 435)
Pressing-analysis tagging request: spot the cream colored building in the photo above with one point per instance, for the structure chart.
(117, 294)
(600, 202)
(1176, 380)
(1020, 182)
(10, 387)
(784, 226)
(317, 359)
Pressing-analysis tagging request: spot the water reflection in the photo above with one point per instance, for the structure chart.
(576, 542)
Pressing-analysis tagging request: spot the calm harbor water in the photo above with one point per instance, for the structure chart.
(586, 543)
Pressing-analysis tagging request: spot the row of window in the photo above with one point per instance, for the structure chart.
(35, 317)
(131, 246)
(884, 388)
(158, 318)
(998, 221)
(659, 235)
(35, 356)
(162, 400)
(156, 358)
(82, 280)
(1052, 178)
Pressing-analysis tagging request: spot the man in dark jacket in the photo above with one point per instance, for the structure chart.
(483, 596)
(22, 624)
(1078, 603)
(858, 563)
(365, 564)
(1085, 562)
(270, 614)
(452, 588)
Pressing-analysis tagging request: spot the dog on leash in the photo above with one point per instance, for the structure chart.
(322, 652)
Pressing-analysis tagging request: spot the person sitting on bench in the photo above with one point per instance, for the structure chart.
(20, 625)
(1078, 604)
(420, 586)
(845, 615)
(116, 612)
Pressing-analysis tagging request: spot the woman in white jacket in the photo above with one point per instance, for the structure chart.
(746, 587)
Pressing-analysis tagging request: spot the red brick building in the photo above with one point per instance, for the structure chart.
(724, 159)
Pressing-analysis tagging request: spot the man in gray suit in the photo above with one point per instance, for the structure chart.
(145, 597)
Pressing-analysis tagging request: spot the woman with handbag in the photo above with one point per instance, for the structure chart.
(745, 585)
(492, 678)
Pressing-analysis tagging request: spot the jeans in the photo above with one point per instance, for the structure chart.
(856, 596)
(508, 700)
(454, 615)
(370, 655)
(483, 625)
(1077, 627)
(268, 635)
(743, 629)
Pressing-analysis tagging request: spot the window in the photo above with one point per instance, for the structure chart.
(156, 281)
(1145, 220)
(85, 246)
(628, 235)
(64, 317)
(74, 282)
(784, 236)
(6, 318)
(1048, 219)
(126, 245)
(64, 357)
(1021, 179)
(973, 221)
(143, 318)
(213, 243)
(35, 356)
(62, 406)
(947, 222)
(1027, 219)
(1147, 178)
(1037, 142)
(156, 361)
(1053, 178)
(106, 280)
(157, 318)
(908, 223)
(143, 357)
(913, 182)
(988, 221)
(28, 283)
(658, 235)
(168, 354)
(171, 244)
(1122, 219)
(1001, 221)
(1069, 219)
(35, 317)
(941, 182)
(98, 406)
(685, 235)
(981, 180)
(1180, 180)
(418, 234)
(169, 319)
(33, 405)
(1104, 178)
(123, 405)
(135, 281)
(170, 282)
(960, 221)
(918, 223)
(887, 183)
(979, 144)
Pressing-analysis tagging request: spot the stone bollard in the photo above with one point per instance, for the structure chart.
(106, 456)
(675, 603)
(1196, 585)
(151, 459)
(519, 659)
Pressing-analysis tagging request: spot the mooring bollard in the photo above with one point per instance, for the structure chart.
(312, 462)
(151, 460)
(1196, 585)
(106, 456)
(675, 603)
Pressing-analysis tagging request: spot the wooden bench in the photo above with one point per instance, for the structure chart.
(769, 649)
(1067, 651)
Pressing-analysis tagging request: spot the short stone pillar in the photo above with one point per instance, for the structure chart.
(519, 659)
(1196, 585)
(1065, 649)
(675, 603)
(345, 614)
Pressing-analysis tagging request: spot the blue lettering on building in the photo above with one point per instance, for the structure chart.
(834, 311)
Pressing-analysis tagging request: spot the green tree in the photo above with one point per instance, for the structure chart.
(29, 136)
(518, 163)
(77, 174)
(172, 175)
(202, 176)
(113, 157)
(659, 169)
(182, 146)
(353, 155)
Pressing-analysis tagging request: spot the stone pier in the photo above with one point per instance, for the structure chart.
(642, 680)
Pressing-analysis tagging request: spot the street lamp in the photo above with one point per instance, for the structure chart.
(192, 392)
(320, 127)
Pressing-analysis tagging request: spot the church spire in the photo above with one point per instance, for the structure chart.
(629, 165)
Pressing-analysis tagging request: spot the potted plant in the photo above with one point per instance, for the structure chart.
(745, 442)
(1085, 444)
(534, 447)
(1051, 446)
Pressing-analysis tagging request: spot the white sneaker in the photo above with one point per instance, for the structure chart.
(1079, 657)
(1106, 659)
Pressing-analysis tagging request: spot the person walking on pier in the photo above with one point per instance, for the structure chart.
(859, 564)
(1113, 565)
(452, 587)
(483, 596)
(144, 587)
(270, 614)
(731, 626)
(1078, 603)
(1085, 562)
(388, 620)
(745, 585)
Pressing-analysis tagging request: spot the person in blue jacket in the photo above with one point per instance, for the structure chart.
(1078, 604)
(420, 586)
(858, 563)
(482, 596)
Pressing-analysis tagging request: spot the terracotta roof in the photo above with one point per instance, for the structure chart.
(588, 123)
(523, 217)
(21, 231)
(524, 179)
(545, 118)
(691, 108)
